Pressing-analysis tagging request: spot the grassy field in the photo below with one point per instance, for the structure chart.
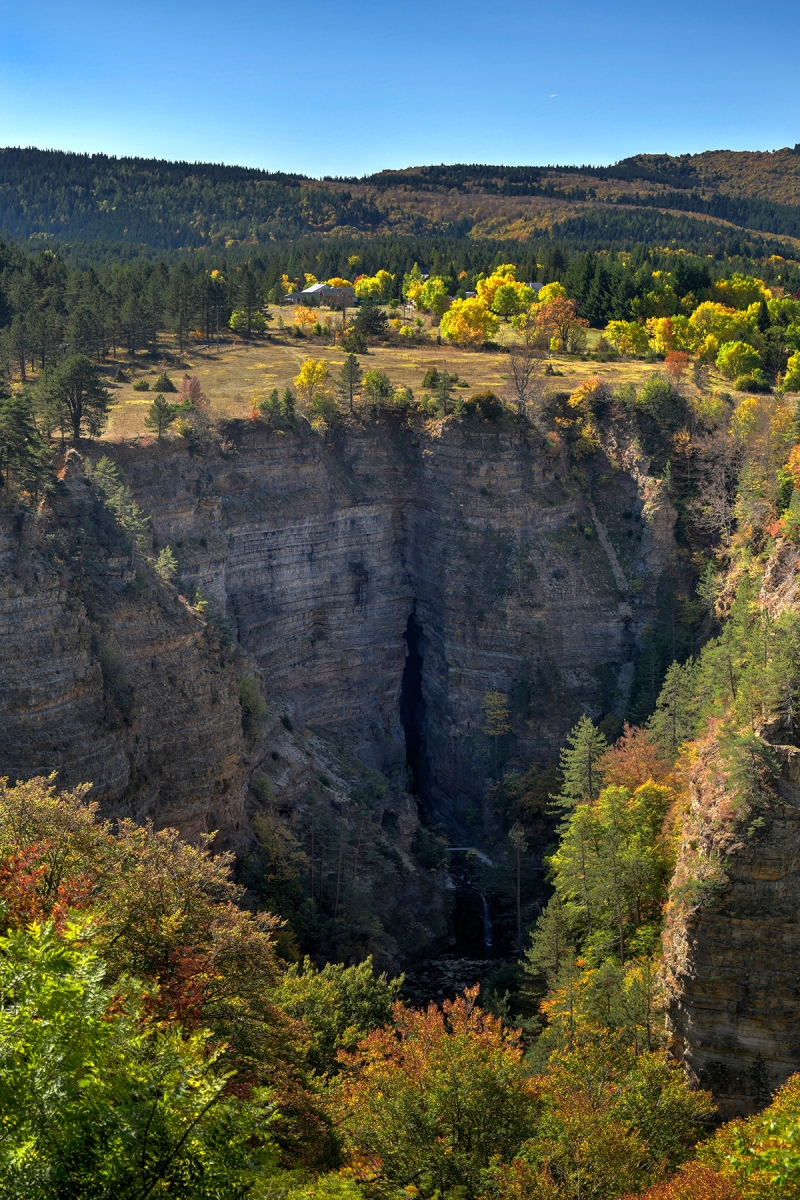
(240, 370)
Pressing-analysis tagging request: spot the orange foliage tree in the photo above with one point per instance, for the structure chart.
(24, 897)
(429, 1101)
(634, 759)
(693, 1182)
(676, 363)
(559, 318)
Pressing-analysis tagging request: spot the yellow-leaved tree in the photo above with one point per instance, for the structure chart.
(740, 291)
(503, 294)
(432, 296)
(712, 320)
(376, 287)
(628, 337)
(552, 291)
(305, 317)
(469, 322)
(311, 380)
(791, 380)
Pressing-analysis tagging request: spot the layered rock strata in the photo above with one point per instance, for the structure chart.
(374, 586)
(108, 677)
(322, 552)
(732, 949)
(732, 941)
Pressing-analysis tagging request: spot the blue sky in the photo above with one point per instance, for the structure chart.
(347, 88)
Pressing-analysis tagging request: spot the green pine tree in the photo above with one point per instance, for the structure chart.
(163, 383)
(24, 455)
(271, 407)
(579, 764)
(166, 564)
(160, 416)
(75, 389)
(552, 943)
(673, 721)
(288, 406)
(349, 379)
(519, 844)
(443, 390)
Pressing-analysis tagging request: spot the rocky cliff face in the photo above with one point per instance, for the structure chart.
(106, 676)
(466, 550)
(732, 958)
(376, 585)
(732, 942)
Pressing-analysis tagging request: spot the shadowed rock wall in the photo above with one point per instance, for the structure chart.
(522, 575)
(320, 553)
(110, 678)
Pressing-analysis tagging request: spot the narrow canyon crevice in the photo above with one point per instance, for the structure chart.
(412, 706)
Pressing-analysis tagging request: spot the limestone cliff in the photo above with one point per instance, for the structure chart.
(494, 563)
(108, 677)
(732, 941)
(375, 585)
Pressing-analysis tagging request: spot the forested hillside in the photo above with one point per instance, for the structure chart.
(702, 202)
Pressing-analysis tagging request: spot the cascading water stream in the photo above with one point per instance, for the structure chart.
(487, 924)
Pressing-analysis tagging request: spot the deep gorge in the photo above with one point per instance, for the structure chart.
(374, 586)
(377, 585)
(336, 564)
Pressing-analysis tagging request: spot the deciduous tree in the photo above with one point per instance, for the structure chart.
(634, 759)
(497, 719)
(377, 388)
(559, 319)
(312, 379)
(609, 1122)
(97, 1099)
(524, 373)
(338, 1006)
(469, 322)
(433, 298)
(629, 337)
(432, 1099)
(737, 358)
(191, 392)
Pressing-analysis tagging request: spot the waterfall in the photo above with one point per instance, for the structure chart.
(487, 924)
